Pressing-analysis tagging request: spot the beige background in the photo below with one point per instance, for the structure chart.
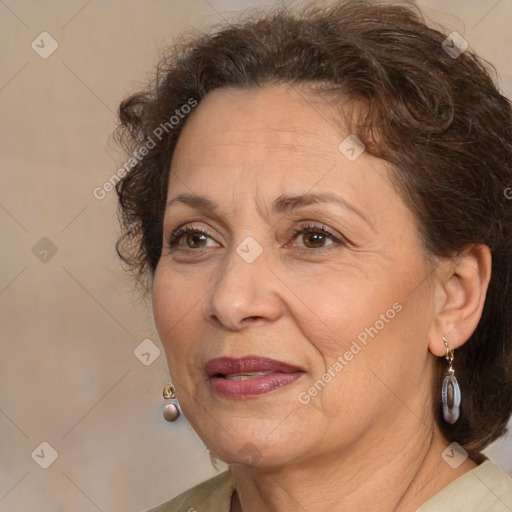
(70, 324)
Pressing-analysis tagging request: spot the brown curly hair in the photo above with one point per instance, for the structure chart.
(439, 120)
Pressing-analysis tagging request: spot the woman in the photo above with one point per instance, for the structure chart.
(318, 205)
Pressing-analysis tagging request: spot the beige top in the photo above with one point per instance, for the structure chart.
(484, 489)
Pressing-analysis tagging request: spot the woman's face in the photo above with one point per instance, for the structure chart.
(296, 306)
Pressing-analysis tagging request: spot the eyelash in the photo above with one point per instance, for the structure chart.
(175, 237)
(296, 231)
(311, 228)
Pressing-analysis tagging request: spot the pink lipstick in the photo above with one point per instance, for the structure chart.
(249, 377)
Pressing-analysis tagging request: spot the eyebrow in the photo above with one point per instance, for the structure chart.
(283, 204)
(194, 201)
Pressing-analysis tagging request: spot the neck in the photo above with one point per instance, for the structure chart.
(397, 474)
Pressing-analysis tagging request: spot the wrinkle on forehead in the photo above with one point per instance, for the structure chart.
(253, 145)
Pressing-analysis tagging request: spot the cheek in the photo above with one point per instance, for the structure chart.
(173, 306)
(370, 321)
(337, 309)
(161, 304)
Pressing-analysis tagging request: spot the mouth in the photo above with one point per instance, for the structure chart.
(249, 377)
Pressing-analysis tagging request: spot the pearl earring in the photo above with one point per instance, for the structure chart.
(172, 408)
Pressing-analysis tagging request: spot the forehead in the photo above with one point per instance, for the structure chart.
(244, 149)
(274, 138)
(253, 125)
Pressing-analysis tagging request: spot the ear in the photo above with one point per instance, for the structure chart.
(461, 290)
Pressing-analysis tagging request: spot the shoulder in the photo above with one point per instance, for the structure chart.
(487, 488)
(213, 495)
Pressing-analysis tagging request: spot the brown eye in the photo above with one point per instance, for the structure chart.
(314, 237)
(195, 240)
(191, 238)
(314, 240)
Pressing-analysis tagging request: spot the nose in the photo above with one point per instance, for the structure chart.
(244, 294)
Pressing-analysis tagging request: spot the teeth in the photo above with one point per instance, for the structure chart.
(247, 376)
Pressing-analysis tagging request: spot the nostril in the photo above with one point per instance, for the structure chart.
(215, 320)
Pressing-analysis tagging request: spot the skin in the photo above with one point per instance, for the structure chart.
(367, 440)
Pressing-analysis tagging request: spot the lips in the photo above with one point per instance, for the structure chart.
(249, 377)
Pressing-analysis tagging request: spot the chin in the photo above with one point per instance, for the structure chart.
(252, 455)
(254, 447)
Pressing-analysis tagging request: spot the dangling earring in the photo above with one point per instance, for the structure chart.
(172, 408)
(450, 393)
